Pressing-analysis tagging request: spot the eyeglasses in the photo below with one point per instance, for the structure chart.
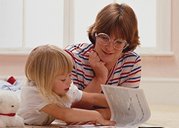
(118, 43)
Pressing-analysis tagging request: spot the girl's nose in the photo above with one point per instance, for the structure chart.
(69, 81)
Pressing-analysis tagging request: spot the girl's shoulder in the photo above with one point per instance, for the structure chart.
(74, 93)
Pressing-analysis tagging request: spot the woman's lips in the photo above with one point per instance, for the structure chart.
(107, 53)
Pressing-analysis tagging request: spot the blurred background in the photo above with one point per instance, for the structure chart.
(24, 24)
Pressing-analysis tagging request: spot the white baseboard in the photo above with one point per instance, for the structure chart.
(161, 91)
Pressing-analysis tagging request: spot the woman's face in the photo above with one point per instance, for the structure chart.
(109, 49)
(62, 84)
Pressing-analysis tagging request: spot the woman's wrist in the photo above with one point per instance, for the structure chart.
(100, 80)
(95, 85)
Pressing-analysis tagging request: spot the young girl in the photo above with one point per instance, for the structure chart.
(49, 94)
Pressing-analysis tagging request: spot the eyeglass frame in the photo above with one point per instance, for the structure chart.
(115, 41)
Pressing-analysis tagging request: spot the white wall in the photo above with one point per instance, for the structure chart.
(161, 91)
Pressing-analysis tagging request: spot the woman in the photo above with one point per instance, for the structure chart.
(110, 58)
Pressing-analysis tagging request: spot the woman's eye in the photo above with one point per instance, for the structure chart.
(104, 38)
(119, 42)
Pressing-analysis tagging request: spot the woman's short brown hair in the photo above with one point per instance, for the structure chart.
(118, 20)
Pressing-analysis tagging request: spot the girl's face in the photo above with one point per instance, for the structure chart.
(109, 49)
(62, 84)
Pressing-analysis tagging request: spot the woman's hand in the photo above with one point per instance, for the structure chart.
(101, 72)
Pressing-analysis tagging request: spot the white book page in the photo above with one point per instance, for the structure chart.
(128, 106)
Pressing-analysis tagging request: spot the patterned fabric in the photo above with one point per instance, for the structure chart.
(4, 85)
(126, 72)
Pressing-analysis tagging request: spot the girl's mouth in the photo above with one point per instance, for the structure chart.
(66, 89)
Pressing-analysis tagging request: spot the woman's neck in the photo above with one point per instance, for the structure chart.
(111, 64)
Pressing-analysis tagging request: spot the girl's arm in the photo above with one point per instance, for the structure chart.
(71, 115)
(89, 100)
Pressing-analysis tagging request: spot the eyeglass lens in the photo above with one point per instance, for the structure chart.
(106, 39)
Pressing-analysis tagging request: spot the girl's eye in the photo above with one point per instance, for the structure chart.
(63, 80)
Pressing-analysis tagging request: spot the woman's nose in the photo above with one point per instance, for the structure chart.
(110, 46)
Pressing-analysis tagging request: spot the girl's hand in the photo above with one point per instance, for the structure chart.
(101, 72)
(101, 121)
(105, 112)
(97, 119)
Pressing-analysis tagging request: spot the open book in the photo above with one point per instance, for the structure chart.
(128, 106)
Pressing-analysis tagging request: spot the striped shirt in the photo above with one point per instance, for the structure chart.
(126, 72)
